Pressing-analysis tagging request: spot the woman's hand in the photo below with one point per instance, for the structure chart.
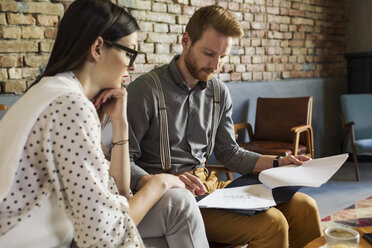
(114, 104)
(168, 180)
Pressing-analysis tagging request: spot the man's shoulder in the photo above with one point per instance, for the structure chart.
(146, 78)
(144, 85)
(223, 87)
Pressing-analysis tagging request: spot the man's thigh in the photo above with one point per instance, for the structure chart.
(261, 229)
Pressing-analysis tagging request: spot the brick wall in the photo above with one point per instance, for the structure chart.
(283, 38)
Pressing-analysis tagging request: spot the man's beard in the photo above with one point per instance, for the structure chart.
(195, 71)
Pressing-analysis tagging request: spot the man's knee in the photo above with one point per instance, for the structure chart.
(304, 202)
(275, 221)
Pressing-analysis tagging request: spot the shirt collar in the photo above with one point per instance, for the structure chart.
(178, 79)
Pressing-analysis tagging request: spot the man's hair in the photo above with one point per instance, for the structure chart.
(222, 20)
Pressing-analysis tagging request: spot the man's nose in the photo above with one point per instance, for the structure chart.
(215, 63)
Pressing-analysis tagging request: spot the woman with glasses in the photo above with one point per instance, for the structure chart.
(55, 183)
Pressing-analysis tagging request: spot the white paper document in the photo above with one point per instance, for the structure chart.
(257, 197)
(312, 173)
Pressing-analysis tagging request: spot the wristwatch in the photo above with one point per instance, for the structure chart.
(276, 161)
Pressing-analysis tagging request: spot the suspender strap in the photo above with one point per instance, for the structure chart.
(165, 156)
(215, 117)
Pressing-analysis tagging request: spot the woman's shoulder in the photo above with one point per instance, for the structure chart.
(74, 105)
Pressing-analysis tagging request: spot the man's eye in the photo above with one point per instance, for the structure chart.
(129, 55)
(209, 54)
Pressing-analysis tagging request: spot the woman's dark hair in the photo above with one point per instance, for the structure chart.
(83, 22)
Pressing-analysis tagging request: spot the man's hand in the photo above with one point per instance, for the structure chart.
(192, 183)
(290, 159)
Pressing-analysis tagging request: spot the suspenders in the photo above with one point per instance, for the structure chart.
(165, 156)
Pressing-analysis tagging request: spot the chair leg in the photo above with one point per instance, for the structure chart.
(356, 166)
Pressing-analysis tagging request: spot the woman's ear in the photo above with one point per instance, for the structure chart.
(96, 49)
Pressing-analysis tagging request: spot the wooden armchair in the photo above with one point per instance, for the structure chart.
(356, 120)
(282, 127)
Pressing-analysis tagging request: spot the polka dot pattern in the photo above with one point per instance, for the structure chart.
(63, 156)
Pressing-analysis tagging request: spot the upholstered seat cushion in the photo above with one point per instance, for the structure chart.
(363, 147)
(272, 147)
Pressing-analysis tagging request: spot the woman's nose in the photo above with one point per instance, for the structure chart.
(132, 67)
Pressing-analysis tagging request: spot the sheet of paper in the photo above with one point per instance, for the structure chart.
(312, 173)
(256, 197)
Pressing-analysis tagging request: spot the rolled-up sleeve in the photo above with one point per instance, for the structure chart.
(226, 150)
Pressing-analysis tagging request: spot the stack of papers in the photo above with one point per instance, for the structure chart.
(312, 173)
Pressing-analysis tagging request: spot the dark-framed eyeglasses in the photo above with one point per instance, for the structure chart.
(131, 53)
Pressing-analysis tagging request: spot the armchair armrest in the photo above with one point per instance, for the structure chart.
(309, 138)
(349, 124)
(348, 128)
(243, 125)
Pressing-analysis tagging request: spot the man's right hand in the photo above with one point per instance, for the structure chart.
(192, 183)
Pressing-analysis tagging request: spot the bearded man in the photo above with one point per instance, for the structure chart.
(177, 136)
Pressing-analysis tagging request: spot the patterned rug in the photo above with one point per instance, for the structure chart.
(357, 215)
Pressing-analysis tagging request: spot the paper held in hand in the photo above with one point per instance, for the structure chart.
(312, 173)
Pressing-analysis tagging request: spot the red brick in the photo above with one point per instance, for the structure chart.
(3, 75)
(233, 6)
(18, 46)
(188, 10)
(159, 7)
(174, 8)
(296, 43)
(256, 76)
(284, 11)
(225, 77)
(46, 45)
(15, 73)
(235, 76)
(227, 68)
(50, 33)
(30, 73)
(36, 60)
(201, 2)
(47, 20)
(44, 8)
(3, 19)
(246, 59)
(10, 61)
(8, 6)
(267, 76)
(21, 19)
(32, 32)
(253, 68)
(14, 86)
(10, 32)
(247, 76)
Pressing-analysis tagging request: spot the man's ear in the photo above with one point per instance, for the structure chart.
(96, 49)
(186, 41)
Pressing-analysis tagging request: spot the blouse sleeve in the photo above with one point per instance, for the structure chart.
(80, 175)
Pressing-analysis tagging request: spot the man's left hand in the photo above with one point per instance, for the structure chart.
(192, 183)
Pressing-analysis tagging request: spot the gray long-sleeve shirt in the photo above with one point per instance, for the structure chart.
(189, 115)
